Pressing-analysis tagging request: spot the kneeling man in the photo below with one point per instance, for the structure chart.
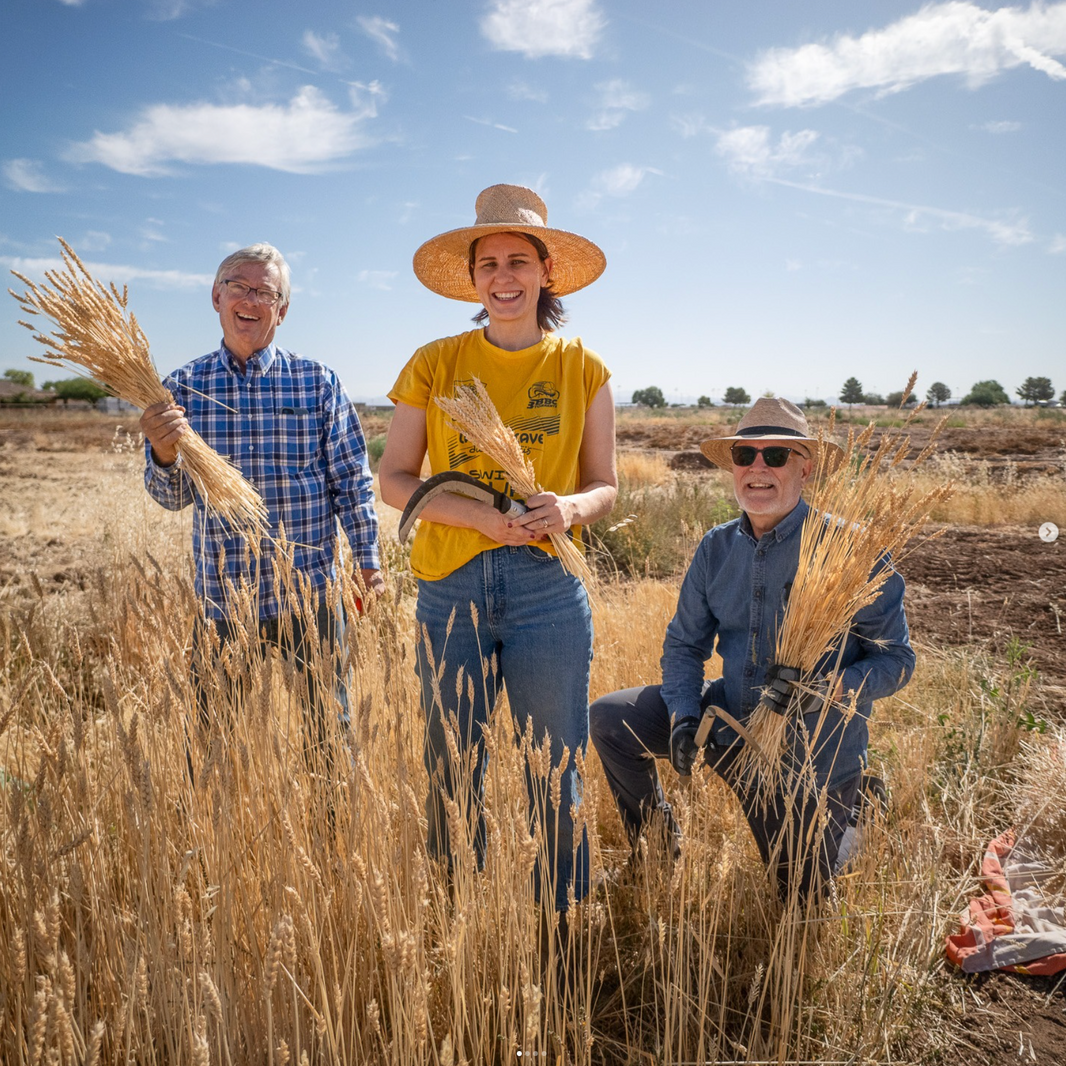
(733, 597)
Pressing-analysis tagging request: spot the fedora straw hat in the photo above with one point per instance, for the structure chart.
(773, 419)
(443, 262)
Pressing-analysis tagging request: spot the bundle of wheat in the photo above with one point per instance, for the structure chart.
(95, 334)
(862, 513)
(472, 413)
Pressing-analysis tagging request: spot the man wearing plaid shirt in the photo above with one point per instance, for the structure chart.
(288, 424)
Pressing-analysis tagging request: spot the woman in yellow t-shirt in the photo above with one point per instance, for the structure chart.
(532, 618)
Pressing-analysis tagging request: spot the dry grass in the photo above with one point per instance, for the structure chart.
(282, 907)
(95, 334)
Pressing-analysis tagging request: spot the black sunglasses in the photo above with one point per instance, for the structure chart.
(775, 455)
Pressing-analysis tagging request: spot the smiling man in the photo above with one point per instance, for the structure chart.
(732, 601)
(287, 423)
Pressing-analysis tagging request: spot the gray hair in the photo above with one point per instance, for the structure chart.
(258, 253)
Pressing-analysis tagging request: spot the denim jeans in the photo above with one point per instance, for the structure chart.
(631, 729)
(534, 618)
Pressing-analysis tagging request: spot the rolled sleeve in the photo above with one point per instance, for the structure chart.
(170, 486)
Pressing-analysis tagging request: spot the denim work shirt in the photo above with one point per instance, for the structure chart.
(296, 437)
(735, 593)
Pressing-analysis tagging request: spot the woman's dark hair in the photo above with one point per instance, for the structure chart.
(550, 311)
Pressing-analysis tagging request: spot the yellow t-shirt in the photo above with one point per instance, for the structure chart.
(542, 393)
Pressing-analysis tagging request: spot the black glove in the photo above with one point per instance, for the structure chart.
(785, 695)
(683, 748)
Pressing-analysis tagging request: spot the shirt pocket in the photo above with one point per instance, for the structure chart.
(295, 438)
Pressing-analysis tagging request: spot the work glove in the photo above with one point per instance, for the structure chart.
(785, 695)
(683, 748)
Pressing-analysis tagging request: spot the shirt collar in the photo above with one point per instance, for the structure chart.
(785, 528)
(260, 361)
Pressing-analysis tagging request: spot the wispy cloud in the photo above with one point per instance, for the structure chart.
(749, 151)
(520, 90)
(689, 125)
(489, 122)
(383, 33)
(620, 181)
(957, 37)
(92, 240)
(326, 49)
(314, 132)
(121, 274)
(378, 279)
(27, 175)
(1057, 245)
(544, 27)
(999, 127)
(1007, 230)
(617, 99)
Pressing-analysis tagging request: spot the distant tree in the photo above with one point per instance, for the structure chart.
(704, 401)
(986, 394)
(851, 392)
(938, 393)
(736, 396)
(769, 394)
(79, 389)
(1062, 398)
(808, 402)
(19, 377)
(1032, 390)
(895, 399)
(875, 399)
(650, 397)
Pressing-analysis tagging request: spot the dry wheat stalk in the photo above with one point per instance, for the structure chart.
(96, 334)
(471, 412)
(859, 517)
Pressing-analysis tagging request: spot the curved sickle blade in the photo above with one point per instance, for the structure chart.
(458, 484)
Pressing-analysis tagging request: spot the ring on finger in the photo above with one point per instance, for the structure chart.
(544, 523)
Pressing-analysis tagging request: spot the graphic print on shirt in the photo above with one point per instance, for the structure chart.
(530, 432)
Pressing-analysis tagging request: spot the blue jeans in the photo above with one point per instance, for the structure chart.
(534, 619)
(631, 729)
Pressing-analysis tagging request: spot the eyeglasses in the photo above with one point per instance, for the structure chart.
(775, 455)
(267, 297)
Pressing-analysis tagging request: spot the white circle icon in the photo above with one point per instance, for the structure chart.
(1049, 532)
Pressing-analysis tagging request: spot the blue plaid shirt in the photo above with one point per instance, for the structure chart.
(297, 439)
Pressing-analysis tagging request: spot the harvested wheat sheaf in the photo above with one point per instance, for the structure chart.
(472, 413)
(96, 334)
(863, 512)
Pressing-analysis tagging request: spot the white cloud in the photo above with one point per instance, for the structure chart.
(326, 48)
(957, 37)
(1008, 230)
(1000, 127)
(304, 137)
(520, 90)
(365, 98)
(544, 27)
(619, 181)
(689, 125)
(120, 274)
(489, 122)
(383, 32)
(1057, 245)
(749, 151)
(378, 279)
(93, 240)
(616, 100)
(27, 175)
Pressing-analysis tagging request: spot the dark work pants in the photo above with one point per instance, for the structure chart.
(631, 729)
(292, 639)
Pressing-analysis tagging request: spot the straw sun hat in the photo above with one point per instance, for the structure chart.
(772, 419)
(442, 263)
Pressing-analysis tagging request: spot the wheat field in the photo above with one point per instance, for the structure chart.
(280, 906)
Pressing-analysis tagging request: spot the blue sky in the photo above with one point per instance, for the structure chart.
(787, 193)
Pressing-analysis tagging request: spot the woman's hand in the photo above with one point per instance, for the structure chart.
(547, 514)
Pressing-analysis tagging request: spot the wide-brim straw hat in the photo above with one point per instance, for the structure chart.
(443, 262)
(773, 419)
